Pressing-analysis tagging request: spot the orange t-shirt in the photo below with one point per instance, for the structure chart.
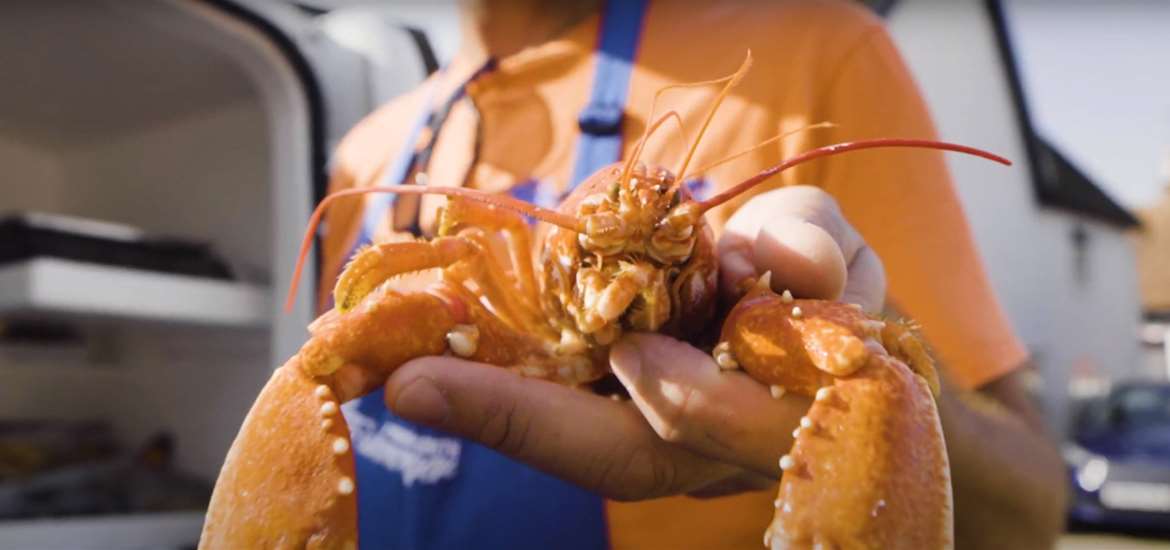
(814, 61)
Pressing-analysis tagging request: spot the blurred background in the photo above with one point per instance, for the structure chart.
(160, 158)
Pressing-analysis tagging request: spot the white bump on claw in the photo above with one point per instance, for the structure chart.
(345, 486)
(777, 391)
(328, 408)
(340, 446)
(823, 394)
(787, 462)
(806, 422)
(322, 391)
(723, 357)
(463, 340)
(326, 424)
(726, 361)
(776, 503)
(797, 312)
(796, 433)
(786, 296)
(765, 281)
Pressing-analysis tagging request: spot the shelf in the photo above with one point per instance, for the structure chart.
(64, 287)
(161, 530)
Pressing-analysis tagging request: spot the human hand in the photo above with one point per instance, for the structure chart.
(800, 235)
(690, 428)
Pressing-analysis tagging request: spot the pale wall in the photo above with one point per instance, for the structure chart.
(33, 177)
(202, 176)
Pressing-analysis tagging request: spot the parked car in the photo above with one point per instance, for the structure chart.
(1119, 459)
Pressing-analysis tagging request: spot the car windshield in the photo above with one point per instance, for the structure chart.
(1141, 406)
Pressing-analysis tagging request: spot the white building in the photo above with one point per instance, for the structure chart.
(1054, 245)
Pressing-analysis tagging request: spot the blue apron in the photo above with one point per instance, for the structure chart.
(419, 488)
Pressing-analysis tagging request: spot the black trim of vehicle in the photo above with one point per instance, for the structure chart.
(318, 155)
(429, 59)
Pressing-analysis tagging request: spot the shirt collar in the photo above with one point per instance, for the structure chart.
(572, 45)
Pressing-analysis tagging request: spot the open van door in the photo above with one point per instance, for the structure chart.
(208, 121)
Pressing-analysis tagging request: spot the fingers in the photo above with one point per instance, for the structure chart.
(867, 281)
(689, 401)
(801, 236)
(602, 445)
(745, 482)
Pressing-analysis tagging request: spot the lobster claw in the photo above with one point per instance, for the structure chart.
(288, 480)
(869, 465)
(269, 497)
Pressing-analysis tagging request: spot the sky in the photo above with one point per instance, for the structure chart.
(1097, 77)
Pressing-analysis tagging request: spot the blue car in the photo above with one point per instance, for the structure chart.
(1119, 459)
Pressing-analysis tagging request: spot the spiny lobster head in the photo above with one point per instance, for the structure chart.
(642, 214)
(641, 259)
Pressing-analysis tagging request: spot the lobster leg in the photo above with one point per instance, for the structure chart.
(869, 467)
(373, 265)
(460, 214)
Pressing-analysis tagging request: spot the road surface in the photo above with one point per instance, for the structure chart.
(1100, 541)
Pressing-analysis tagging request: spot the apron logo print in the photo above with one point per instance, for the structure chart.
(417, 458)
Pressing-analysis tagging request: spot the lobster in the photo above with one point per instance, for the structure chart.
(628, 250)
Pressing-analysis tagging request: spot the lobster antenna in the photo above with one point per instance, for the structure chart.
(646, 136)
(528, 209)
(654, 106)
(770, 140)
(731, 82)
(836, 149)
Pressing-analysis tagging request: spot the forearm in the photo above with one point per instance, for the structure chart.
(1008, 477)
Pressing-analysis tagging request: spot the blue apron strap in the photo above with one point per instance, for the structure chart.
(409, 156)
(379, 203)
(600, 121)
